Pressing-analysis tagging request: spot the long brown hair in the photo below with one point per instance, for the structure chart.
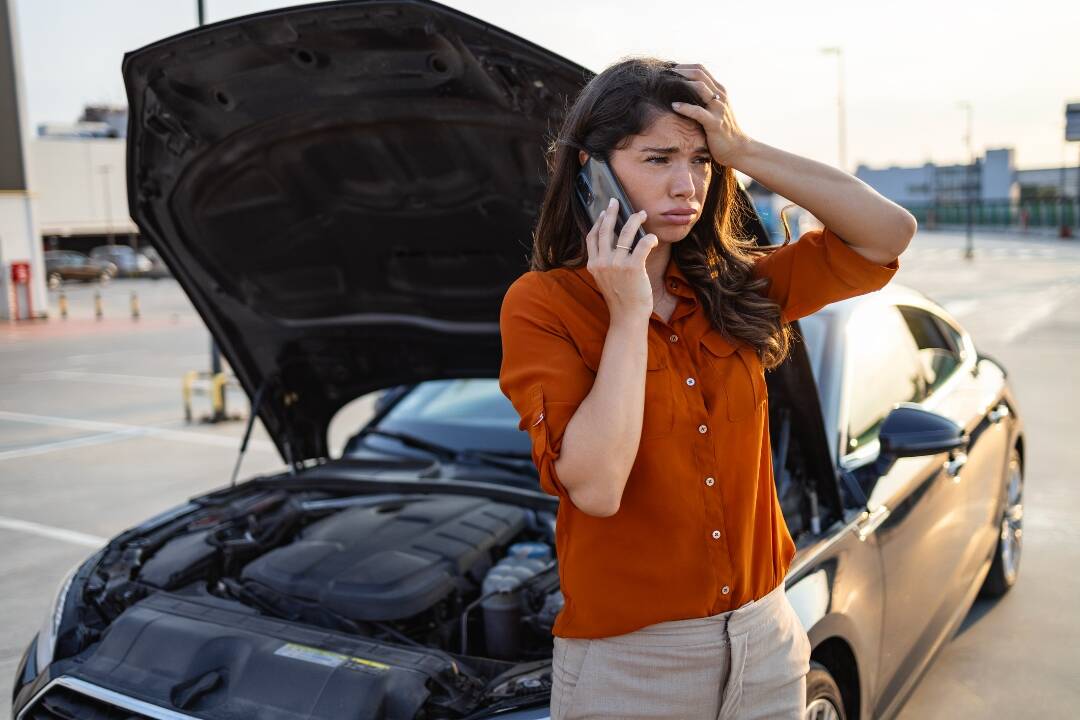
(623, 101)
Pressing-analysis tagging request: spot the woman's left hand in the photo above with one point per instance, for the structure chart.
(723, 135)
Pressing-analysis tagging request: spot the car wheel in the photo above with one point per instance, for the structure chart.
(54, 280)
(823, 699)
(1006, 565)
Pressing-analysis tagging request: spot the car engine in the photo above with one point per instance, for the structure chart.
(439, 602)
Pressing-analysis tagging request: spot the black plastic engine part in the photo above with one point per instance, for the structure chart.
(393, 560)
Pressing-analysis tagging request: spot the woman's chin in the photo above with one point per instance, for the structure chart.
(673, 234)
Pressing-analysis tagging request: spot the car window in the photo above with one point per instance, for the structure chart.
(882, 369)
(938, 345)
(476, 403)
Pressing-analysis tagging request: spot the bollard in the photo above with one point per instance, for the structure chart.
(134, 306)
(97, 305)
(63, 304)
(217, 396)
(185, 391)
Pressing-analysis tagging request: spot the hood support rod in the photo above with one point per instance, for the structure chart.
(255, 405)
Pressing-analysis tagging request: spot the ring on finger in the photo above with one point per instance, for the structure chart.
(715, 96)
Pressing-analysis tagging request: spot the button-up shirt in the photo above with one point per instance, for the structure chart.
(699, 529)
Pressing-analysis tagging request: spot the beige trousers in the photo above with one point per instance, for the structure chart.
(750, 662)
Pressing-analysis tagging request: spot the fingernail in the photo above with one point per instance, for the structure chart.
(676, 105)
(611, 202)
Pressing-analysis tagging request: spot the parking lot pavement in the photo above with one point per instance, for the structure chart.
(92, 440)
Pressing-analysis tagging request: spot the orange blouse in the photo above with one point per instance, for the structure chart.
(699, 529)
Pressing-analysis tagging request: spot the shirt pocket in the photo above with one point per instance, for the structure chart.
(658, 418)
(739, 372)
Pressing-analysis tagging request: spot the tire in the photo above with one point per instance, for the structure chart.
(823, 698)
(1006, 565)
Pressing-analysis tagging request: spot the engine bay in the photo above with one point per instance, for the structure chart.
(439, 603)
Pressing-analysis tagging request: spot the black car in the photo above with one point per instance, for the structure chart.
(345, 191)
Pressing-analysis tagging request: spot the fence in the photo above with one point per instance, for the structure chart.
(1041, 213)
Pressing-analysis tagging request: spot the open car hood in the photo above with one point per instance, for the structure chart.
(345, 191)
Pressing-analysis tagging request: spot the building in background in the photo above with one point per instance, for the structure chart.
(22, 262)
(991, 179)
(996, 194)
(78, 171)
(114, 116)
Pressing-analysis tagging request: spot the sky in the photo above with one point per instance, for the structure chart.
(907, 66)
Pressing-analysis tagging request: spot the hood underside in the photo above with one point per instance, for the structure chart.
(345, 191)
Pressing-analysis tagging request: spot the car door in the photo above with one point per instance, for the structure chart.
(963, 390)
(917, 510)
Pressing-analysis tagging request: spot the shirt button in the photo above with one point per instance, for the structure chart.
(725, 589)
(674, 338)
(716, 534)
(702, 429)
(690, 382)
(709, 481)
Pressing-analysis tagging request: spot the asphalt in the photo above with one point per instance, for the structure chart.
(93, 440)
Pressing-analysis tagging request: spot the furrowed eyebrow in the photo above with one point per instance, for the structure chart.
(671, 150)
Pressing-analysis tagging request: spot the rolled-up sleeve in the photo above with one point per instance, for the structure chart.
(817, 270)
(542, 372)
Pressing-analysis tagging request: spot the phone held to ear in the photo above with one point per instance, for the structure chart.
(596, 185)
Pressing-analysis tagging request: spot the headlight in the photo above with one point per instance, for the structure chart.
(50, 626)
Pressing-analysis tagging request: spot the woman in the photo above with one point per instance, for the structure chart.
(639, 376)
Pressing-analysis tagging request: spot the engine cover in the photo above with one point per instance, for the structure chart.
(392, 560)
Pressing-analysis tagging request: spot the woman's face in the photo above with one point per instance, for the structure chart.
(666, 172)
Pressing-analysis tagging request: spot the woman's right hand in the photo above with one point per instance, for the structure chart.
(619, 274)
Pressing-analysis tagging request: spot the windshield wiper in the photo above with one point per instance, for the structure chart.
(511, 462)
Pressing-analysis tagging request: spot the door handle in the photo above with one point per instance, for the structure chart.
(997, 414)
(869, 522)
(953, 465)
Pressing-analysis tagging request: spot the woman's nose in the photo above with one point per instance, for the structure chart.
(682, 183)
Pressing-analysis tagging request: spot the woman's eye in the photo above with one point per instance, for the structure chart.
(655, 157)
(702, 160)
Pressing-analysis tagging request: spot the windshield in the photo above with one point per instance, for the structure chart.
(466, 415)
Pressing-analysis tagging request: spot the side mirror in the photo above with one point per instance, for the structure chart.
(910, 431)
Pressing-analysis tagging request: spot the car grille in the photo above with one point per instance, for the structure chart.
(60, 703)
(69, 698)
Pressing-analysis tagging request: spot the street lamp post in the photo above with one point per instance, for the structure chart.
(215, 351)
(969, 251)
(841, 123)
(107, 198)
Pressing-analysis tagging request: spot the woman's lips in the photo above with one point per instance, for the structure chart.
(679, 218)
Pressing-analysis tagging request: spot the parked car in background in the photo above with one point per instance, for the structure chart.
(129, 262)
(344, 191)
(158, 268)
(61, 265)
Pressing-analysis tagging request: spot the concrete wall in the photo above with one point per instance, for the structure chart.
(18, 230)
(81, 185)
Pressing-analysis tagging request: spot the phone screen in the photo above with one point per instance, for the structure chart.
(596, 184)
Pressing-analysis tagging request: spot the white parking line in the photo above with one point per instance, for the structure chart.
(87, 441)
(54, 533)
(111, 432)
(107, 378)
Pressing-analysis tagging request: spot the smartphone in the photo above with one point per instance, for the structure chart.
(596, 185)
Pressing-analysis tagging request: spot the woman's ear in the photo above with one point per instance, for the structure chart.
(582, 156)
